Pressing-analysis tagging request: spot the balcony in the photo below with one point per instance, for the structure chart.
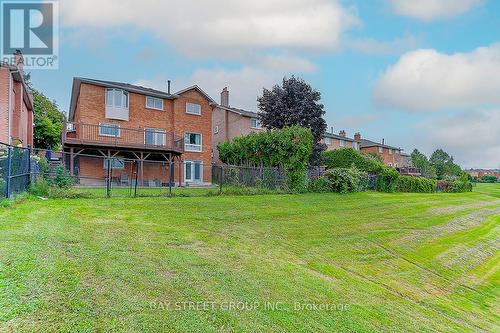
(111, 135)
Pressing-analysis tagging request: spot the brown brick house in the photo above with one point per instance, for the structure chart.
(117, 122)
(334, 141)
(229, 123)
(390, 155)
(16, 105)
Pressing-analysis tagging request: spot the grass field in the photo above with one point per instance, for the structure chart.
(361, 262)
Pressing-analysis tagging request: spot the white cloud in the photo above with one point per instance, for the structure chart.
(473, 138)
(426, 80)
(244, 84)
(428, 10)
(225, 28)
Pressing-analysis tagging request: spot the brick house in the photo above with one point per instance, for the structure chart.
(229, 123)
(390, 155)
(117, 122)
(334, 141)
(16, 105)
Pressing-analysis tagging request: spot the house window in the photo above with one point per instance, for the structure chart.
(193, 171)
(216, 130)
(116, 104)
(154, 137)
(390, 151)
(256, 123)
(116, 163)
(193, 108)
(342, 143)
(154, 103)
(108, 129)
(328, 141)
(381, 150)
(192, 142)
(355, 146)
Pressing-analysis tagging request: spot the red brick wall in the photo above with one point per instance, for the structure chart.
(335, 144)
(393, 159)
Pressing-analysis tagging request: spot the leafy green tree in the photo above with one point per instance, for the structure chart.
(295, 102)
(420, 161)
(49, 121)
(444, 165)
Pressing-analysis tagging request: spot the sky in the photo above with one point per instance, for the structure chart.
(419, 74)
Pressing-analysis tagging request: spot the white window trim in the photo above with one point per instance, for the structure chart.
(390, 151)
(255, 127)
(105, 166)
(192, 180)
(155, 130)
(201, 143)
(328, 141)
(194, 113)
(381, 150)
(124, 93)
(342, 143)
(152, 107)
(109, 125)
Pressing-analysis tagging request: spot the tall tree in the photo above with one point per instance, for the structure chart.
(444, 165)
(295, 102)
(420, 161)
(49, 121)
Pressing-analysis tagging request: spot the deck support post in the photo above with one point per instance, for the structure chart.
(71, 161)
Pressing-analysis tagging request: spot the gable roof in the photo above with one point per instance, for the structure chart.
(241, 112)
(368, 143)
(18, 76)
(77, 81)
(195, 87)
(339, 137)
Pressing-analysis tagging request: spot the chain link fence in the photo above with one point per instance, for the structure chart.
(15, 170)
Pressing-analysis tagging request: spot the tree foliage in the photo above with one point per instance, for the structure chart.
(295, 102)
(420, 161)
(444, 165)
(289, 148)
(49, 121)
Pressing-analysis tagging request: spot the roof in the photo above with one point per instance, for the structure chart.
(77, 81)
(18, 76)
(201, 91)
(244, 113)
(339, 137)
(368, 143)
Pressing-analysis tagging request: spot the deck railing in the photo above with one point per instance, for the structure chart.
(110, 135)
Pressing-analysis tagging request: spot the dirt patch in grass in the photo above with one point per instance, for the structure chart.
(454, 209)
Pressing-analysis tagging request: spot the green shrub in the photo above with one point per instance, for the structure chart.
(289, 148)
(67, 193)
(415, 184)
(319, 185)
(62, 178)
(387, 180)
(347, 158)
(488, 179)
(342, 180)
(455, 185)
(39, 188)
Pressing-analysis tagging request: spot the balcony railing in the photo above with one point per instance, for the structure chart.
(107, 135)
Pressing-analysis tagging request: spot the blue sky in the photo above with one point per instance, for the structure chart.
(420, 74)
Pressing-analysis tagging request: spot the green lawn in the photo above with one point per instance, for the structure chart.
(368, 262)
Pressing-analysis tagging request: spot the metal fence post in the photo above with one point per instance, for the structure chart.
(108, 180)
(170, 169)
(136, 177)
(7, 172)
(221, 178)
(29, 164)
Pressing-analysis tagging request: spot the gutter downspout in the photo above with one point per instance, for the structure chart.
(9, 113)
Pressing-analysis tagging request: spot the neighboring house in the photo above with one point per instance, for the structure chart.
(390, 155)
(123, 121)
(479, 173)
(334, 141)
(229, 123)
(406, 160)
(16, 105)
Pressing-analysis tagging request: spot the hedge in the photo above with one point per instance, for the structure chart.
(289, 148)
(415, 184)
(347, 158)
(340, 180)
